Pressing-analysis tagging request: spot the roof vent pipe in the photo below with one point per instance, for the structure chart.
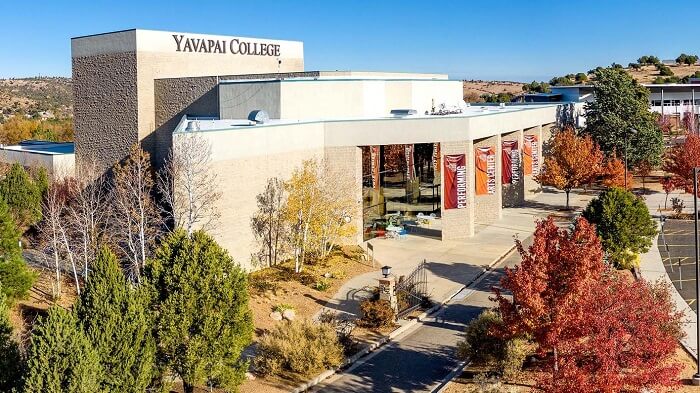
(259, 116)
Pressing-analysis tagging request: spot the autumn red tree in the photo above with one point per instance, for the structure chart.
(559, 269)
(612, 173)
(680, 160)
(628, 342)
(668, 185)
(572, 162)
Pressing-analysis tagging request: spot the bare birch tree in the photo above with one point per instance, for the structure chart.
(268, 224)
(88, 212)
(188, 186)
(55, 230)
(135, 218)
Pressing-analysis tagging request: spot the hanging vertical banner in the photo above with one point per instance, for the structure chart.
(374, 165)
(436, 158)
(531, 155)
(455, 191)
(485, 171)
(410, 168)
(510, 162)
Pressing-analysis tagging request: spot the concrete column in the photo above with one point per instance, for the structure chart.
(345, 164)
(514, 194)
(488, 208)
(458, 223)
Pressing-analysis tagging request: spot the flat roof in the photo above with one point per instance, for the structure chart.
(42, 147)
(216, 124)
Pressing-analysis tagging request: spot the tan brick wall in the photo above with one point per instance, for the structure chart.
(488, 207)
(105, 107)
(458, 223)
(514, 194)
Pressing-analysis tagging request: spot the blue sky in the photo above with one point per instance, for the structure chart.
(504, 40)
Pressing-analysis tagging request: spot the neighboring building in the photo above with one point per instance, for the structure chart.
(57, 158)
(152, 88)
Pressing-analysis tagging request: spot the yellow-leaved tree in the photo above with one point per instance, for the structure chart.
(318, 211)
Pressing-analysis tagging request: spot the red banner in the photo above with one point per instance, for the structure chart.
(455, 192)
(485, 171)
(510, 162)
(374, 165)
(531, 155)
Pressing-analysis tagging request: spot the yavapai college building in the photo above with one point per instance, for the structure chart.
(406, 142)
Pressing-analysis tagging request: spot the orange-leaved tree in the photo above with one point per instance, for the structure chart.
(572, 161)
(680, 160)
(612, 173)
(558, 270)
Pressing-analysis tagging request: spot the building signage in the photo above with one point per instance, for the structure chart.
(436, 160)
(531, 155)
(485, 171)
(455, 168)
(510, 162)
(233, 46)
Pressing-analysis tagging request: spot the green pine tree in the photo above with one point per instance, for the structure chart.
(116, 320)
(23, 196)
(16, 278)
(624, 225)
(11, 362)
(621, 104)
(60, 358)
(204, 321)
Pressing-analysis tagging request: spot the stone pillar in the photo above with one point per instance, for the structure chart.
(458, 223)
(488, 208)
(345, 164)
(387, 291)
(514, 193)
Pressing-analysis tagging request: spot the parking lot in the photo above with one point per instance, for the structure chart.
(678, 255)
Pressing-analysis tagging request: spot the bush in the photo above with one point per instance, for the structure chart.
(23, 195)
(377, 313)
(483, 346)
(322, 285)
(11, 362)
(300, 347)
(15, 276)
(624, 225)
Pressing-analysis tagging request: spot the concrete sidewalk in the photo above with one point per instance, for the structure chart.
(651, 268)
(452, 264)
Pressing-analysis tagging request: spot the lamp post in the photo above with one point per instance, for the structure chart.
(633, 131)
(386, 271)
(696, 377)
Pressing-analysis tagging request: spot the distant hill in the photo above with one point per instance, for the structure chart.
(474, 89)
(39, 98)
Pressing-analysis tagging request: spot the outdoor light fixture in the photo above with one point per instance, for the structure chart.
(386, 271)
(633, 132)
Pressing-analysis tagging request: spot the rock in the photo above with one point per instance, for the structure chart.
(289, 315)
(249, 376)
(276, 316)
(328, 275)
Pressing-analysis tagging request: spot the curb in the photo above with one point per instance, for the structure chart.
(402, 329)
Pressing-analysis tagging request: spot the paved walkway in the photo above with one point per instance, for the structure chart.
(452, 264)
(652, 269)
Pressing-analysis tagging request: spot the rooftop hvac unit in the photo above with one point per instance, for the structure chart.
(192, 125)
(259, 116)
(403, 112)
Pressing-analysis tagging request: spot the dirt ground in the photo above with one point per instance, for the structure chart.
(525, 382)
(472, 90)
(647, 74)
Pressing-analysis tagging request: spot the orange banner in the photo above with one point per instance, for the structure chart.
(485, 171)
(530, 155)
(455, 193)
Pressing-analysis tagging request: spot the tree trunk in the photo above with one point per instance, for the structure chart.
(189, 388)
(666, 202)
(556, 362)
(567, 198)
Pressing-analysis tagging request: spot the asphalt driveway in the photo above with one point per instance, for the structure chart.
(678, 255)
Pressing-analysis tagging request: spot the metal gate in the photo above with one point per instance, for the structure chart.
(411, 290)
